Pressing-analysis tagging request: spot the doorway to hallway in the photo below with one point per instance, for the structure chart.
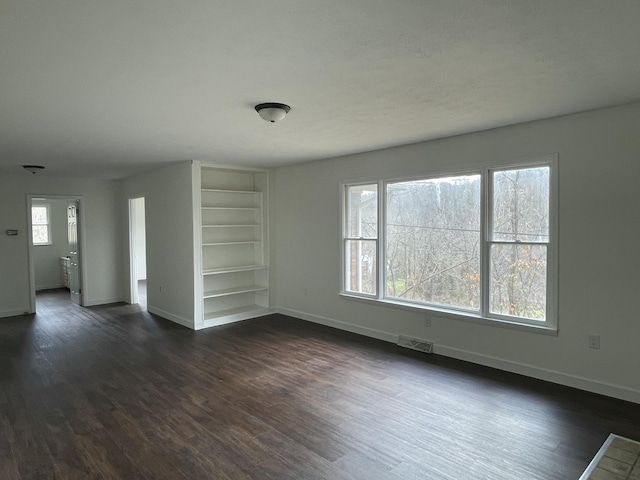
(55, 241)
(137, 252)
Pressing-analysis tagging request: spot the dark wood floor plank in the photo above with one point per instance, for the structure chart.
(302, 462)
(106, 456)
(112, 392)
(69, 460)
(303, 426)
(146, 453)
(8, 466)
(30, 451)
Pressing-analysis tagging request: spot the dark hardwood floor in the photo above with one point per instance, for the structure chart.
(114, 392)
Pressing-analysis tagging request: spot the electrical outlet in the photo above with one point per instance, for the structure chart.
(594, 342)
(427, 321)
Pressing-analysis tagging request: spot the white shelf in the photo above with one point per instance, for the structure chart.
(234, 315)
(217, 244)
(232, 225)
(233, 311)
(233, 232)
(240, 268)
(229, 208)
(234, 291)
(218, 190)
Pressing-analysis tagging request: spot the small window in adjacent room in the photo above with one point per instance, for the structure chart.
(41, 223)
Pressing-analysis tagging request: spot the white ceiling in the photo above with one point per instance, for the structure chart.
(110, 88)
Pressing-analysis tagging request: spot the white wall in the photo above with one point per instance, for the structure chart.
(102, 225)
(46, 258)
(599, 196)
(169, 230)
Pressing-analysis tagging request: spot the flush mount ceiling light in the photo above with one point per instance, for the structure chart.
(272, 112)
(33, 168)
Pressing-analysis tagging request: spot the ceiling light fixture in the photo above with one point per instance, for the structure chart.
(33, 168)
(272, 112)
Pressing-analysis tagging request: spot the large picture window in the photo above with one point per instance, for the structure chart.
(432, 241)
(480, 244)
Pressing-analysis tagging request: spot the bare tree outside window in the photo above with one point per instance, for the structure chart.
(481, 244)
(520, 234)
(361, 240)
(433, 241)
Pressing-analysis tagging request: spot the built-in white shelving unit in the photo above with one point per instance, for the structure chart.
(233, 244)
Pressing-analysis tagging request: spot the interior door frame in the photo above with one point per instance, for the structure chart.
(81, 245)
(133, 233)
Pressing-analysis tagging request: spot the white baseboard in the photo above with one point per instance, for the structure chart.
(105, 301)
(13, 313)
(581, 383)
(48, 287)
(330, 322)
(185, 322)
(552, 376)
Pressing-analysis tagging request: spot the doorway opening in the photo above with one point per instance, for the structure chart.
(137, 252)
(55, 247)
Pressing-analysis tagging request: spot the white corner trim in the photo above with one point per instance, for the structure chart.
(581, 383)
(329, 322)
(185, 322)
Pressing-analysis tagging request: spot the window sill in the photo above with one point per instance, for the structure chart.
(455, 315)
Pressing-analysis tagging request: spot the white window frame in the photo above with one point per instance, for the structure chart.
(49, 241)
(346, 238)
(483, 316)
